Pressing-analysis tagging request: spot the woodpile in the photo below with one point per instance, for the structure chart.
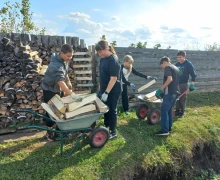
(22, 67)
(67, 108)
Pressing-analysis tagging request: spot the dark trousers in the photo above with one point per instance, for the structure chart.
(167, 112)
(47, 95)
(181, 103)
(124, 94)
(110, 118)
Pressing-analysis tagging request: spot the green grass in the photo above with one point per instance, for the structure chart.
(135, 148)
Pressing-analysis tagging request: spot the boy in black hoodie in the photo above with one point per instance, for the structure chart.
(186, 69)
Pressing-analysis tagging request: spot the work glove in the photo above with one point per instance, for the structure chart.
(69, 85)
(158, 94)
(151, 77)
(191, 87)
(104, 97)
(75, 97)
(133, 87)
(99, 94)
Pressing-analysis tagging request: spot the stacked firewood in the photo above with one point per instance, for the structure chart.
(67, 108)
(22, 68)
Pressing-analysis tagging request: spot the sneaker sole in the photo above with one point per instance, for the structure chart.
(112, 137)
(165, 134)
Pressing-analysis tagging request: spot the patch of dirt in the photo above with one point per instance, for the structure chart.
(21, 135)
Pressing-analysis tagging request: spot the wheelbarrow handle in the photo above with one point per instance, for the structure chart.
(181, 95)
(32, 112)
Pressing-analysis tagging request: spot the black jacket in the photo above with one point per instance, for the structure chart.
(135, 72)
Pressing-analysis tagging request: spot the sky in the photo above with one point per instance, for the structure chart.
(188, 24)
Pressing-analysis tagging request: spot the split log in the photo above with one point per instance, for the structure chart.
(75, 105)
(58, 104)
(100, 105)
(82, 110)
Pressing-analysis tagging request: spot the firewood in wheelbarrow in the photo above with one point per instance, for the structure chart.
(48, 109)
(80, 111)
(57, 103)
(100, 105)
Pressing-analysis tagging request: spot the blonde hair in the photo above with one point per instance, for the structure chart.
(129, 58)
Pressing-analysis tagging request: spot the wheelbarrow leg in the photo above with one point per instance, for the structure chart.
(75, 145)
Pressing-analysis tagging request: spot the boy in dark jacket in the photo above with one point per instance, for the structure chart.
(186, 69)
(127, 69)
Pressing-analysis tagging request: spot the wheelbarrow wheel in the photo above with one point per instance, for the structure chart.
(142, 111)
(98, 137)
(153, 116)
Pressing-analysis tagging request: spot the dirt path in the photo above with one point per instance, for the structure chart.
(21, 135)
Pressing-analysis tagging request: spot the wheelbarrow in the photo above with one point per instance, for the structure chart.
(98, 136)
(151, 109)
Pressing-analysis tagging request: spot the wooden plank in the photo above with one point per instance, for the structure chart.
(81, 65)
(68, 99)
(82, 110)
(149, 95)
(75, 105)
(83, 92)
(85, 85)
(83, 72)
(47, 108)
(81, 53)
(84, 78)
(56, 101)
(82, 59)
(100, 105)
(146, 85)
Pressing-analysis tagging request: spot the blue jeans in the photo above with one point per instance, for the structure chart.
(167, 112)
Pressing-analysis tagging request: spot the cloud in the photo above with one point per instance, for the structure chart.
(38, 15)
(97, 10)
(115, 18)
(52, 32)
(83, 31)
(106, 23)
(39, 21)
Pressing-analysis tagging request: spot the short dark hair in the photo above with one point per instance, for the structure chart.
(181, 53)
(164, 59)
(66, 48)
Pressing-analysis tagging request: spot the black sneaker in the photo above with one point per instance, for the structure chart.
(161, 133)
(181, 116)
(170, 130)
(112, 135)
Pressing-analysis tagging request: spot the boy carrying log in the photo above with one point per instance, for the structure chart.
(56, 80)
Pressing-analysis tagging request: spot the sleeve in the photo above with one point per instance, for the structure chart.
(192, 72)
(135, 72)
(167, 72)
(59, 74)
(114, 67)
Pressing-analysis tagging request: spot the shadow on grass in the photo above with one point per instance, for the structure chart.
(40, 161)
(138, 140)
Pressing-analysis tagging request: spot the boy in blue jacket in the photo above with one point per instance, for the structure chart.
(186, 69)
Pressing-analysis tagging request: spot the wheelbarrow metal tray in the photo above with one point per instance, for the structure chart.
(152, 104)
(82, 122)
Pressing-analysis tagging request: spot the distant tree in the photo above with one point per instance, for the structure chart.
(157, 46)
(169, 47)
(214, 47)
(103, 37)
(17, 18)
(132, 45)
(113, 44)
(141, 45)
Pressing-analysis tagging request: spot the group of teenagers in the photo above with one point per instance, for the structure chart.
(113, 83)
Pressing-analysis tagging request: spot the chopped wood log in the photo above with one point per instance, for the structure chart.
(49, 111)
(100, 105)
(75, 105)
(57, 102)
(82, 110)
